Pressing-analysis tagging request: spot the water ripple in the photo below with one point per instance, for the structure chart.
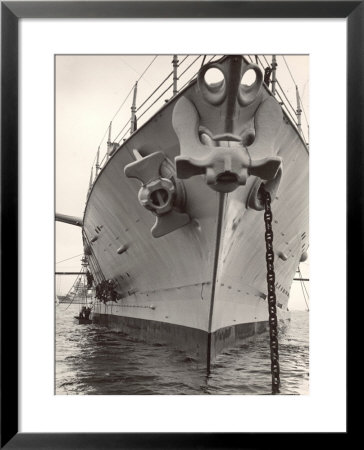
(95, 360)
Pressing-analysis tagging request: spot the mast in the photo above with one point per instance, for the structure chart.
(98, 161)
(175, 77)
(109, 144)
(274, 78)
(91, 179)
(133, 120)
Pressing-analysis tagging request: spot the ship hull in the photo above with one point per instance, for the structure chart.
(200, 345)
(202, 287)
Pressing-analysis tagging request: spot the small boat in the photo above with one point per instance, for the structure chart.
(81, 293)
(83, 320)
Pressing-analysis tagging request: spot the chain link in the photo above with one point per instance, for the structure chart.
(272, 309)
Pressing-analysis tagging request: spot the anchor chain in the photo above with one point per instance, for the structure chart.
(272, 309)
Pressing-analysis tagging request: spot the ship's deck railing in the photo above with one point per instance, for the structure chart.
(150, 105)
(189, 69)
(282, 97)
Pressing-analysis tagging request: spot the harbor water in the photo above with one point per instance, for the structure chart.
(90, 359)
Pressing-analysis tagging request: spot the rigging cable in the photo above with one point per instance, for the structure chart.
(127, 96)
(284, 59)
(294, 82)
(74, 284)
(126, 132)
(141, 76)
(193, 76)
(122, 104)
(299, 271)
(303, 287)
(304, 113)
(287, 109)
(160, 85)
(127, 123)
(290, 104)
(193, 62)
(69, 258)
(155, 101)
(265, 59)
(283, 92)
(184, 59)
(155, 90)
(280, 97)
(145, 101)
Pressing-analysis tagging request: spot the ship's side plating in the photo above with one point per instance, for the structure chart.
(202, 285)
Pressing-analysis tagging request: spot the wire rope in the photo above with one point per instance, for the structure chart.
(303, 287)
(81, 254)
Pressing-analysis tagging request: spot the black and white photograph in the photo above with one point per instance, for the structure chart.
(181, 224)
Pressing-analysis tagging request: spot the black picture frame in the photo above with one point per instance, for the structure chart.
(11, 12)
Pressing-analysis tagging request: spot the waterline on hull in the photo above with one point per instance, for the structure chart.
(194, 342)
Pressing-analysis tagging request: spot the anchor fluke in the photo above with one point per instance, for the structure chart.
(162, 225)
(223, 158)
(266, 168)
(145, 169)
(225, 168)
(158, 194)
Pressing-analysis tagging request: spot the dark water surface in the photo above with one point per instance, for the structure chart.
(94, 360)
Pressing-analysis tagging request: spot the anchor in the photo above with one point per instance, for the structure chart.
(158, 194)
(227, 158)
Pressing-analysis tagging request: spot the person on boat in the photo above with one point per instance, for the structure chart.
(82, 312)
(87, 312)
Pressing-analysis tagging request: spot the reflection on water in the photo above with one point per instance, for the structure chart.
(94, 360)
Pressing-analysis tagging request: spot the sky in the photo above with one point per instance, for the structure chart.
(92, 90)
